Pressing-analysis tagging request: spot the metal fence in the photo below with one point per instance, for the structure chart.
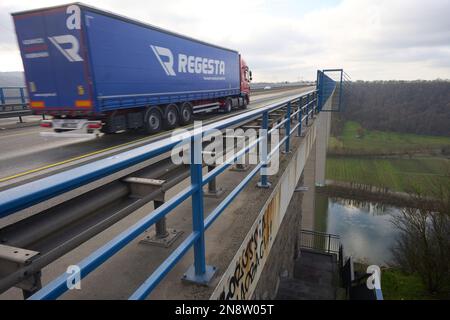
(355, 283)
(333, 84)
(14, 102)
(299, 110)
(319, 241)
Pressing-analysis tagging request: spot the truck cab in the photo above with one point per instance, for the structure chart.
(246, 78)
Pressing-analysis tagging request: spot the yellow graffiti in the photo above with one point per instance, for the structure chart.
(249, 262)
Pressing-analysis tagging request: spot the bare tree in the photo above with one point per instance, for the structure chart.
(423, 245)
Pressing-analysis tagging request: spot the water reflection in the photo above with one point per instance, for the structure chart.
(365, 228)
(375, 208)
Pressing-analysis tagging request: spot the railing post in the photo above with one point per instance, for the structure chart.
(160, 226)
(319, 90)
(287, 129)
(213, 191)
(22, 96)
(2, 96)
(264, 132)
(300, 116)
(340, 91)
(307, 110)
(315, 102)
(199, 273)
(329, 242)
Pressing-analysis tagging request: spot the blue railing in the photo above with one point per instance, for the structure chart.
(14, 102)
(13, 95)
(328, 85)
(299, 110)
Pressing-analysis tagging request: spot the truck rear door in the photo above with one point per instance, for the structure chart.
(54, 59)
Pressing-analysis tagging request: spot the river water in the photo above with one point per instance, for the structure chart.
(365, 229)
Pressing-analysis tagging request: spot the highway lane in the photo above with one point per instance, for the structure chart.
(24, 154)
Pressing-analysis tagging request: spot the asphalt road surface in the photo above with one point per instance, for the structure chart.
(25, 155)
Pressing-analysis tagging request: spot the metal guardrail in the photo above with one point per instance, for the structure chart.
(14, 103)
(299, 110)
(319, 241)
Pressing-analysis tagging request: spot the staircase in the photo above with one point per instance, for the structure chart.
(316, 271)
(315, 278)
(320, 271)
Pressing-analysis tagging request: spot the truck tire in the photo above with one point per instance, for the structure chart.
(171, 118)
(153, 121)
(185, 113)
(228, 106)
(245, 103)
(108, 127)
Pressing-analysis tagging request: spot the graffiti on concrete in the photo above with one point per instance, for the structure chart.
(248, 264)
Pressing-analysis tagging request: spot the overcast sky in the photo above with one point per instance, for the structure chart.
(290, 39)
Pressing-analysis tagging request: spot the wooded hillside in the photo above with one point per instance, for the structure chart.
(420, 107)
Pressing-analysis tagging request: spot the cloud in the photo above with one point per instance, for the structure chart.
(291, 39)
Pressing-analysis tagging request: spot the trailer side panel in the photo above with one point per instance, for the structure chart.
(135, 65)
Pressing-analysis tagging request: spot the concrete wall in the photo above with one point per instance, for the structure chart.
(280, 263)
(309, 178)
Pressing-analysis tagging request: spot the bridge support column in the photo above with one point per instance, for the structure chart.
(323, 134)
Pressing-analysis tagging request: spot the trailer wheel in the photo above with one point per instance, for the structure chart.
(153, 120)
(228, 105)
(171, 120)
(186, 113)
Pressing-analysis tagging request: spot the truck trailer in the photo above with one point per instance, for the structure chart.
(95, 70)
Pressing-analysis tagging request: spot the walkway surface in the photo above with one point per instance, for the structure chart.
(315, 278)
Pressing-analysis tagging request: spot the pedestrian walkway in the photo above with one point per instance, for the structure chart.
(315, 278)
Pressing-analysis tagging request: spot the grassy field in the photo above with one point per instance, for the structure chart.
(378, 142)
(398, 174)
(359, 158)
(397, 285)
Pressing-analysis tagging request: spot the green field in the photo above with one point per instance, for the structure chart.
(379, 142)
(398, 174)
(397, 285)
(353, 158)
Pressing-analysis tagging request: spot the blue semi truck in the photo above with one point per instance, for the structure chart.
(94, 70)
